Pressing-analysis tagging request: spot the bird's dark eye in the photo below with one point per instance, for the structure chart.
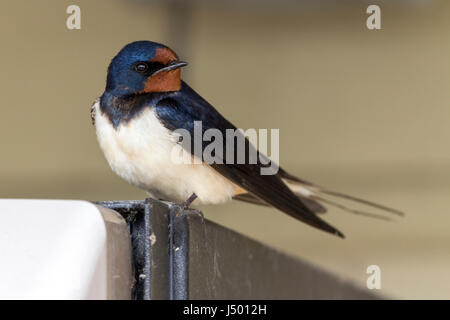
(141, 67)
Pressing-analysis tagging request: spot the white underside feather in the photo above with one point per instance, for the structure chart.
(140, 152)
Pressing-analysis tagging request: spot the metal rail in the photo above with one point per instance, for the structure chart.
(180, 255)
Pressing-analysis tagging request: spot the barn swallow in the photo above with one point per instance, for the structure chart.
(145, 102)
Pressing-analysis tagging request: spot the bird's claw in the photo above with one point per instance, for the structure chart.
(190, 211)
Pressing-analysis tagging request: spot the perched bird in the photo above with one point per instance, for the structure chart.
(136, 121)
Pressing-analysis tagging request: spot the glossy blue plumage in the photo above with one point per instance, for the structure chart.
(181, 108)
(122, 80)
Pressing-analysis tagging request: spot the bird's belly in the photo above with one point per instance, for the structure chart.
(142, 153)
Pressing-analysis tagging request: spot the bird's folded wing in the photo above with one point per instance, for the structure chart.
(180, 110)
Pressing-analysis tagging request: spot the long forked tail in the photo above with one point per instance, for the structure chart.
(312, 192)
(362, 201)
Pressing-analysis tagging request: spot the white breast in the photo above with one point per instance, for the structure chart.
(140, 152)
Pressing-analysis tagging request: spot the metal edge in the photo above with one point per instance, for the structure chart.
(179, 254)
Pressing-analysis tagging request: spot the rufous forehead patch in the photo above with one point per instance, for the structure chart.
(164, 56)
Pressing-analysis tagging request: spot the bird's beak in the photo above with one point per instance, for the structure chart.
(171, 66)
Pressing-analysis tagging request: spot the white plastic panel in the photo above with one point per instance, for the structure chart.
(54, 249)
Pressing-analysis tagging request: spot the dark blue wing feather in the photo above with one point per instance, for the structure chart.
(180, 109)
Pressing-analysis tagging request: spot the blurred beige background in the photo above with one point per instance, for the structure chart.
(363, 112)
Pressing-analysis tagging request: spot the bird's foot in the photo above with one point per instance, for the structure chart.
(197, 213)
(185, 205)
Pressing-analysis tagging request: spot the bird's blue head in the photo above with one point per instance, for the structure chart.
(144, 67)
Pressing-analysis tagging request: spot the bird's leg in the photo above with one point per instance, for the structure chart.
(189, 201)
(185, 205)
